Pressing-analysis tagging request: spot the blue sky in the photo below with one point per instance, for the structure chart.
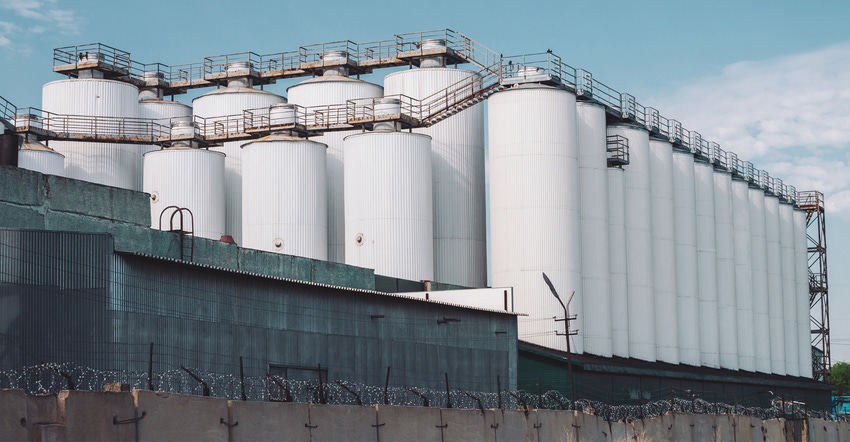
(769, 80)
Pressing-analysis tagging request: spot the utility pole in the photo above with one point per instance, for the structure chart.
(567, 333)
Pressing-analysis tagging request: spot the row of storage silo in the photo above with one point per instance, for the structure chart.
(671, 257)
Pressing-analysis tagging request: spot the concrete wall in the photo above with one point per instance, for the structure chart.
(148, 415)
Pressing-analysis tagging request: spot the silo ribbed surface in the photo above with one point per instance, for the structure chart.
(162, 112)
(776, 310)
(684, 211)
(709, 339)
(639, 254)
(284, 196)
(726, 291)
(322, 91)
(103, 163)
(388, 221)
(40, 158)
(789, 289)
(617, 257)
(664, 250)
(457, 145)
(186, 178)
(232, 101)
(534, 205)
(801, 268)
(596, 277)
(743, 274)
(761, 316)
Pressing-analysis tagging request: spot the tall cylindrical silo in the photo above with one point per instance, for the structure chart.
(284, 196)
(232, 100)
(774, 284)
(789, 289)
(460, 251)
(743, 274)
(727, 312)
(534, 205)
(33, 155)
(761, 316)
(664, 250)
(617, 257)
(161, 112)
(186, 178)
(709, 342)
(333, 87)
(685, 230)
(639, 268)
(801, 268)
(593, 179)
(110, 164)
(388, 221)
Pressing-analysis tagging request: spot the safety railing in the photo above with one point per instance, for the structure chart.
(231, 65)
(460, 95)
(544, 67)
(91, 54)
(186, 74)
(7, 113)
(810, 200)
(720, 157)
(617, 148)
(333, 52)
(89, 128)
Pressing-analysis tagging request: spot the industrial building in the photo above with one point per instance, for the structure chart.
(677, 263)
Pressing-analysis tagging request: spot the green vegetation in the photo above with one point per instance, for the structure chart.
(840, 376)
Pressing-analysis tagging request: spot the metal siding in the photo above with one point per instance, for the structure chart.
(727, 313)
(190, 178)
(801, 269)
(761, 317)
(664, 251)
(457, 147)
(43, 161)
(789, 289)
(685, 231)
(164, 111)
(595, 324)
(707, 265)
(534, 205)
(617, 255)
(639, 268)
(776, 310)
(284, 197)
(743, 275)
(388, 201)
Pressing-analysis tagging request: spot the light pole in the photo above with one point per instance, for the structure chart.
(567, 333)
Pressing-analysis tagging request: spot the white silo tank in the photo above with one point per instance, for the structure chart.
(388, 221)
(321, 91)
(617, 256)
(161, 112)
(685, 221)
(534, 205)
(801, 268)
(232, 100)
(789, 289)
(743, 274)
(707, 265)
(110, 164)
(33, 155)
(284, 196)
(187, 178)
(639, 255)
(460, 253)
(761, 316)
(596, 327)
(664, 250)
(776, 310)
(727, 312)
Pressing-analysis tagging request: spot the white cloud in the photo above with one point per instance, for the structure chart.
(35, 16)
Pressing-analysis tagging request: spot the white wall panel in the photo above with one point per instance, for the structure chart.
(664, 251)
(743, 275)
(761, 316)
(789, 289)
(687, 287)
(727, 313)
(707, 265)
(775, 306)
(617, 255)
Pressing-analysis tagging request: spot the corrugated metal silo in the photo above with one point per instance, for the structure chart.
(709, 343)
(33, 155)
(388, 221)
(639, 268)
(617, 256)
(534, 205)
(593, 179)
(333, 88)
(232, 100)
(789, 289)
(103, 163)
(457, 144)
(284, 196)
(727, 313)
(761, 316)
(684, 209)
(743, 274)
(774, 284)
(664, 250)
(162, 112)
(801, 268)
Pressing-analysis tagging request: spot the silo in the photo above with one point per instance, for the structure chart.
(388, 221)
(460, 254)
(284, 196)
(685, 230)
(534, 205)
(663, 250)
(802, 302)
(761, 317)
(727, 313)
(593, 180)
(617, 256)
(709, 342)
(774, 284)
(639, 255)
(333, 87)
(110, 164)
(232, 100)
(789, 288)
(743, 274)
(33, 155)
(161, 112)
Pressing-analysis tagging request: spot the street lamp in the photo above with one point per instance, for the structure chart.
(567, 333)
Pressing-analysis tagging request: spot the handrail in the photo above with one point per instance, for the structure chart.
(8, 111)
